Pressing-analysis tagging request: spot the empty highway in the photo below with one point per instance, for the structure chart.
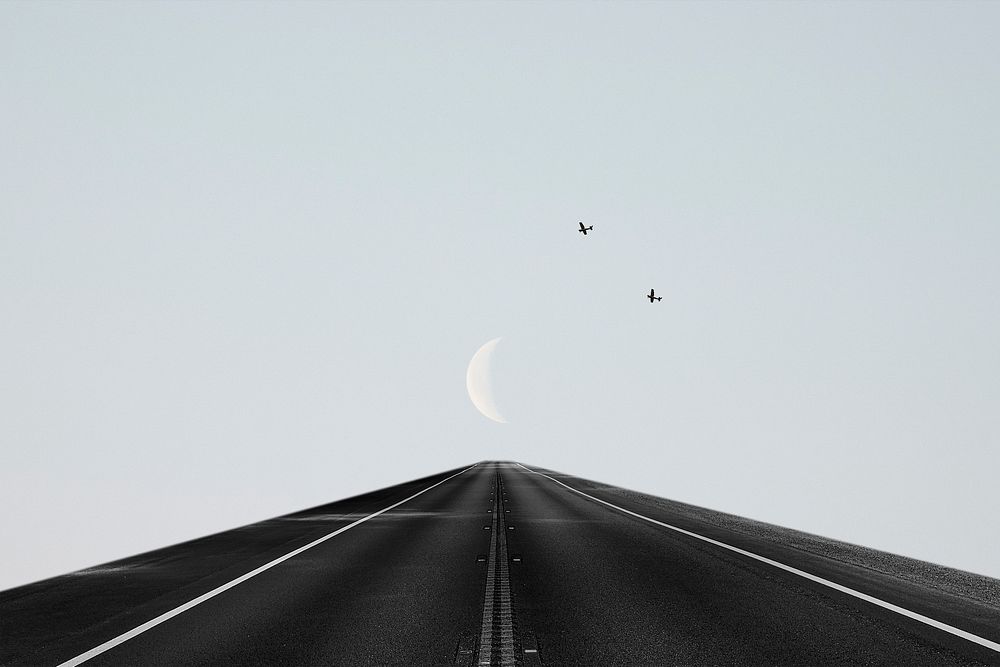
(501, 563)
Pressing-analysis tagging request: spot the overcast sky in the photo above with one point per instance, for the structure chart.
(247, 251)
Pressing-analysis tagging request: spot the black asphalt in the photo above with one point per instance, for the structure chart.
(591, 586)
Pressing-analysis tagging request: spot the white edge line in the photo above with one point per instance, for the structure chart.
(97, 650)
(982, 641)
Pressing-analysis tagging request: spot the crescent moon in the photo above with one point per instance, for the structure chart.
(479, 384)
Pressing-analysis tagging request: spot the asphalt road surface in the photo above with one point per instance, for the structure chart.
(504, 564)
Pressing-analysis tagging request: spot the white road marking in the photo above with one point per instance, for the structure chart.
(486, 631)
(958, 632)
(497, 577)
(134, 632)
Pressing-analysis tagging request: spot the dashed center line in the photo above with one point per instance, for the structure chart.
(496, 638)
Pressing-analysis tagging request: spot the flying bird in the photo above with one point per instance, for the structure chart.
(583, 230)
(652, 296)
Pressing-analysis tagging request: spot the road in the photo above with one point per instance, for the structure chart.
(504, 564)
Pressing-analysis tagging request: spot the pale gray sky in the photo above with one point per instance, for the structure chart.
(247, 250)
